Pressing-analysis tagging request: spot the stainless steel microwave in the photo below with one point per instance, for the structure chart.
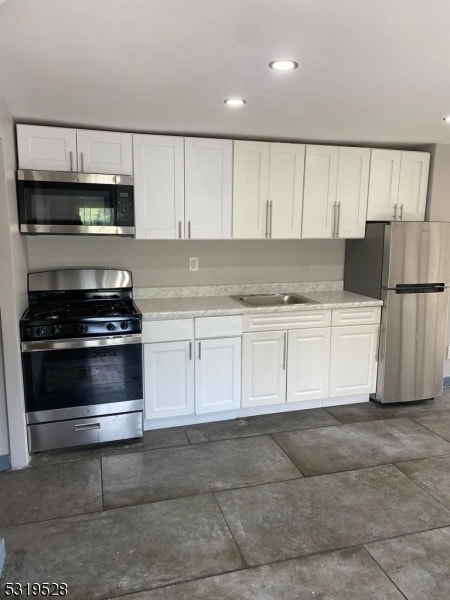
(75, 203)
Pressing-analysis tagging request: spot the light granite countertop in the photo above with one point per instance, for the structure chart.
(206, 306)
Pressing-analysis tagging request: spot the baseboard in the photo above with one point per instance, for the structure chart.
(253, 411)
(5, 463)
(2, 555)
(447, 381)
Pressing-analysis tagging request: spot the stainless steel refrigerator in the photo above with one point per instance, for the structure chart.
(407, 265)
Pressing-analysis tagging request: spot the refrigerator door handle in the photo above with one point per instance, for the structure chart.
(419, 288)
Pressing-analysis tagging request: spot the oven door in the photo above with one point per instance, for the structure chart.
(71, 379)
(65, 203)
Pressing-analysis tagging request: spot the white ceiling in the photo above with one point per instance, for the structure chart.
(371, 71)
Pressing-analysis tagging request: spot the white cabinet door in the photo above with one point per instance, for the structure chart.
(353, 362)
(250, 189)
(412, 190)
(158, 186)
(264, 368)
(168, 379)
(208, 187)
(104, 152)
(308, 364)
(352, 190)
(46, 148)
(286, 190)
(217, 374)
(383, 185)
(319, 197)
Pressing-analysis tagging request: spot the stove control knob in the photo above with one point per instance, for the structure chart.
(124, 325)
(82, 328)
(55, 329)
(110, 327)
(40, 331)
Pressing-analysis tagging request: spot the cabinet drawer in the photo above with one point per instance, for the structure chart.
(287, 320)
(170, 330)
(356, 316)
(208, 327)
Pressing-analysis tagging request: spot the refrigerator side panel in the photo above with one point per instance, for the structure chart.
(364, 262)
(418, 253)
(412, 346)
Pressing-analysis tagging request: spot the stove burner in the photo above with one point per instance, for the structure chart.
(111, 309)
(55, 311)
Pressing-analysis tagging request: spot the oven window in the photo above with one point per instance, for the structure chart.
(62, 204)
(56, 379)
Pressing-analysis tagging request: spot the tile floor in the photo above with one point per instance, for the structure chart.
(346, 503)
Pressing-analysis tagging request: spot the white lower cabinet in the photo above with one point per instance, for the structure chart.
(168, 379)
(353, 363)
(311, 362)
(217, 374)
(200, 374)
(264, 368)
(308, 364)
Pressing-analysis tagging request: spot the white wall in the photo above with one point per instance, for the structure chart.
(160, 263)
(13, 298)
(4, 442)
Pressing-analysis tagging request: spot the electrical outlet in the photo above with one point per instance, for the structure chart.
(193, 263)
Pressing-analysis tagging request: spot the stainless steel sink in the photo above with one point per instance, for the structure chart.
(271, 299)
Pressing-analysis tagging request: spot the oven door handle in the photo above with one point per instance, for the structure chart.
(93, 342)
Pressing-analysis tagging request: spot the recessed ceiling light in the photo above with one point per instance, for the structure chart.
(283, 65)
(447, 119)
(235, 101)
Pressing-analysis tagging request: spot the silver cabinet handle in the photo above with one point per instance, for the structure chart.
(189, 229)
(270, 220)
(401, 212)
(190, 350)
(334, 219)
(199, 351)
(82, 161)
(71, 160)
(267, 219)
(338, 218)
(86, 426)
(395, 212)
(179, 230)
(284, 350)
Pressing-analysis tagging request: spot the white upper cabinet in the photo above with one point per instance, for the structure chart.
(250, 189)
(104, 152)
(208, 187)
(159, 186)
(319, 198)
(46, 148)
(182, 187)
(383, 188)
(335, 193)
(412, 189)
(79, 150)
(352, 190)
(398, 185)
(267, 190)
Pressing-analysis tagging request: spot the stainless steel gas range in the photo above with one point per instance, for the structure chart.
(82, 358)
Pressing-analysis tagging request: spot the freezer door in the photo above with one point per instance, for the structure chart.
(412, 346)
(416, 253)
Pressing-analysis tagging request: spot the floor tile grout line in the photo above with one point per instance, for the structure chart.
(361, 545)
(287, 455)
(420, 486)
(302, 477)
(429, 428)
(244, 562)
(383, 571)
